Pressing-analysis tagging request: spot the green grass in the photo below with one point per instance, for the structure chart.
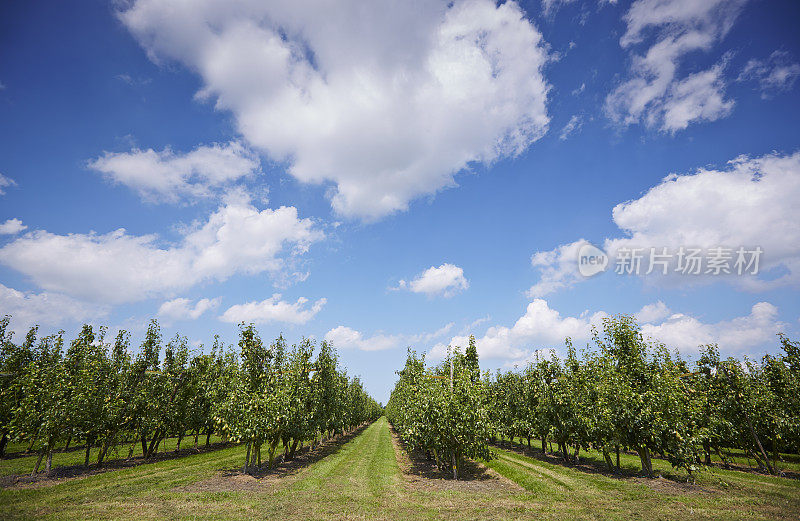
(362, 480)
(787, 462)
(17, 463)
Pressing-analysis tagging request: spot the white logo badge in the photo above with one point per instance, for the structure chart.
(591, 260)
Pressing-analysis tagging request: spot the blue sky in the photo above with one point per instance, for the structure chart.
(399, 175)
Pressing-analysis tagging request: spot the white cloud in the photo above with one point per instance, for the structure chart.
(182, 308)
(551, 6)
(653, 312)
(169, 176)
(776, 74)
(45, 309)
(132, 81)
(542, 329)
(6, 182)
(540, 326)
(119, 267)
(386, 100)
(752, 203)
(573, 125)
(687, 333)
(698, 97)
(445, 281)
(11, 227)
(654, 94)
(558, 268)
(273, 309)
(347, 338)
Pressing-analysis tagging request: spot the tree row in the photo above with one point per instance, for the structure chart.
(100, 394)
(623, 393)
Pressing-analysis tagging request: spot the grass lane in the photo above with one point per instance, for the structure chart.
(362, 480)
(21, 463)
(719, 494)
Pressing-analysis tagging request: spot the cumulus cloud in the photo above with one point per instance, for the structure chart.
(655, 94)
(45, 309)
(349, 338)
(750, 204)
(119, 267)
(273, 309)
(6, 182)
(653, 312)
(543, 330)
(445, 281)
(384, 100)
(558, 268)
(775, 74)
(11, 227)
(185, 309)
(540, 326)
(687, 333)
(168, 176)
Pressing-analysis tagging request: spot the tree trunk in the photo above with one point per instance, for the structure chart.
(30, 446)
(144, 445)
(707, 450)
(180, 438)
(721, 456)
(247, 458)
(133, 447)
(196, 435)
(293, 449)
(618, 467)
(3, 444)
(544, 445)
(48, 467)
(38, 462)
(208, 437)
(88, 450)
(272, 446)
(775, 453)
(607, 457)
(647, 465)
(102, 455)
(153, 444)
(66, 447)
(758, 444)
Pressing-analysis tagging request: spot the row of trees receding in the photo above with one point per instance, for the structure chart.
(623, 394)
(100, 394)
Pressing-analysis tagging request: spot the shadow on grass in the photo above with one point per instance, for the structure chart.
(424, 466)
(302, 458)
(77, 471)
(595, 465)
